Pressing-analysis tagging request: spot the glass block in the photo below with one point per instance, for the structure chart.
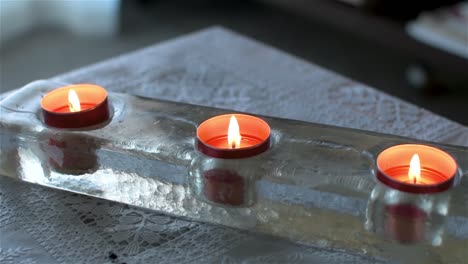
(314, 185)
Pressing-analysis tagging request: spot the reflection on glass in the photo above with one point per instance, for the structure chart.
(407, 217)
(226, 182)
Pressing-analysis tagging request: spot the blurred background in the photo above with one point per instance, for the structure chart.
(416, 50)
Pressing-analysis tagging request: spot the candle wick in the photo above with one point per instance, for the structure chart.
(70, 106)
(233, 145)
(414, 180)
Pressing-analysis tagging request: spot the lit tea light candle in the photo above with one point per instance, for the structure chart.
(408, 173)
(416, 168)
(230, 137)
(233, 136)
(75, 106)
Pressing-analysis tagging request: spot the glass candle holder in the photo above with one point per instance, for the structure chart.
(312, 184)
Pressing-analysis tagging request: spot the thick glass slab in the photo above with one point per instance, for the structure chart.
(314, 185)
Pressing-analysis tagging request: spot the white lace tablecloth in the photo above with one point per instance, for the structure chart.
(214, 67)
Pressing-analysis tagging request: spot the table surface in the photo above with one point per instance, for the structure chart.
(213, 67)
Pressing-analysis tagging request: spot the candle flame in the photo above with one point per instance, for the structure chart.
(414, 173)
(234, 137)
(73, 101)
